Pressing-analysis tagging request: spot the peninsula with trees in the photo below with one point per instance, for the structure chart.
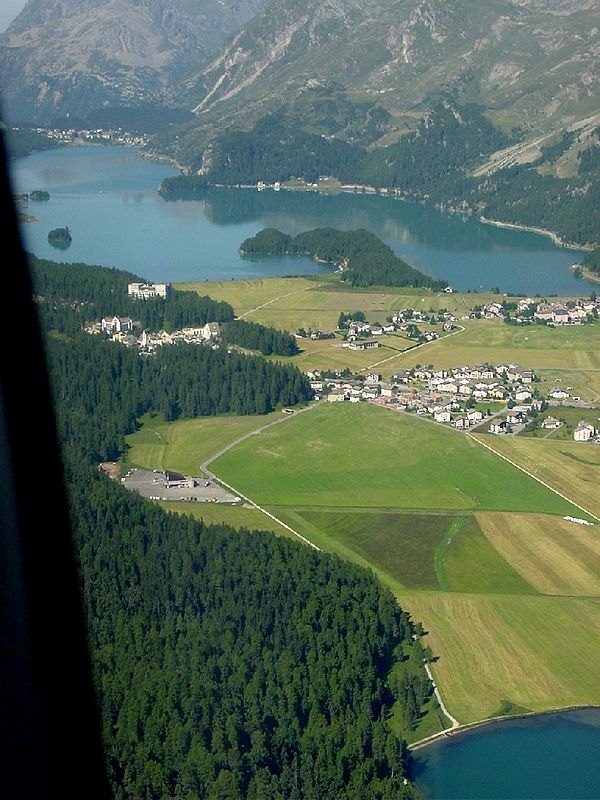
(361, 257)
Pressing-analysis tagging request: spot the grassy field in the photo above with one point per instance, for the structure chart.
(536, 346)
(534, 652)
(317, 301)
(573, 468)
(390, 460)
(182, 446)
(555, 556)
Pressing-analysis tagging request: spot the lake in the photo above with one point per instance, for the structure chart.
(549, 757)
(107, 198)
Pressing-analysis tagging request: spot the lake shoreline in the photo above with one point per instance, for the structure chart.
(558, 241)
(451, 733)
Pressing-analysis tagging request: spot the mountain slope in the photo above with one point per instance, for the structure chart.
(532, 64)
(73, 56)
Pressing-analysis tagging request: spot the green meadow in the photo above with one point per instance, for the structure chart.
(360, 455)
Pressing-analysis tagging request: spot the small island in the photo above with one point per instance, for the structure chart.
(361, 257)
(39, 195)
(60, 238)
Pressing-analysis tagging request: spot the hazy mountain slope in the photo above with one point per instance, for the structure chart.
(533, 64)
(73, 56)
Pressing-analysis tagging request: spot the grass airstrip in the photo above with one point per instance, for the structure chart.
(471, 545)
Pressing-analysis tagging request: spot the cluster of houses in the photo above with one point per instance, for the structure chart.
(121, 329)
(359, 332)
(96, 135)
(527, 310)
(575, 313)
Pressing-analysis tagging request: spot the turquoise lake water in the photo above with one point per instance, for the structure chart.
(107, 197)
(550, 757)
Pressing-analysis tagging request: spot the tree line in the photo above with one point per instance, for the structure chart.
(254, 336)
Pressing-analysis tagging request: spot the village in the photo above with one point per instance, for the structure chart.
(500, 399)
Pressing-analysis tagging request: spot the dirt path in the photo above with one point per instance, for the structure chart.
(205, 468)
(273, 300)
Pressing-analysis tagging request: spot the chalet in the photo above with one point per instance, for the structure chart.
(336, 396)
(522, 394)
(584, 431)
(515, 417)
(559, 394)
(551, 423)
(500, 427)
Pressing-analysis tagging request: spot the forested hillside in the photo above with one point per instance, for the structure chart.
(228, 665)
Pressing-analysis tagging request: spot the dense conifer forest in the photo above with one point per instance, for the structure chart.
(254, 336)
(228, 665)
(363, 258)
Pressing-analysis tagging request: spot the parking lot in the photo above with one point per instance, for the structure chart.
(151, 485)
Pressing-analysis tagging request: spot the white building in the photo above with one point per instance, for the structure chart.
(584, 432)
(113, 325)
(143, 291)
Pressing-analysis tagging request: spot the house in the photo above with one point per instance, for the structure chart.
(474, 415)
(373, 377)
(389, 328)
(522, 394)
(544, 312)
(336, 396)
(551, 423)
(402, 376)
(442, 415)
(559, 394)
(461, 423)
(500, 427)
(584, 431)
(515, 417)
(377, 330)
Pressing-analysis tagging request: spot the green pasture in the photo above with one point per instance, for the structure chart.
(317, 301)
(535, 346)
(360, 455)
(183, 445)
(572, 468)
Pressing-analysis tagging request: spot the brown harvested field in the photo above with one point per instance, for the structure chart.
(536, 652)
(572, 468)
(554, 555)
